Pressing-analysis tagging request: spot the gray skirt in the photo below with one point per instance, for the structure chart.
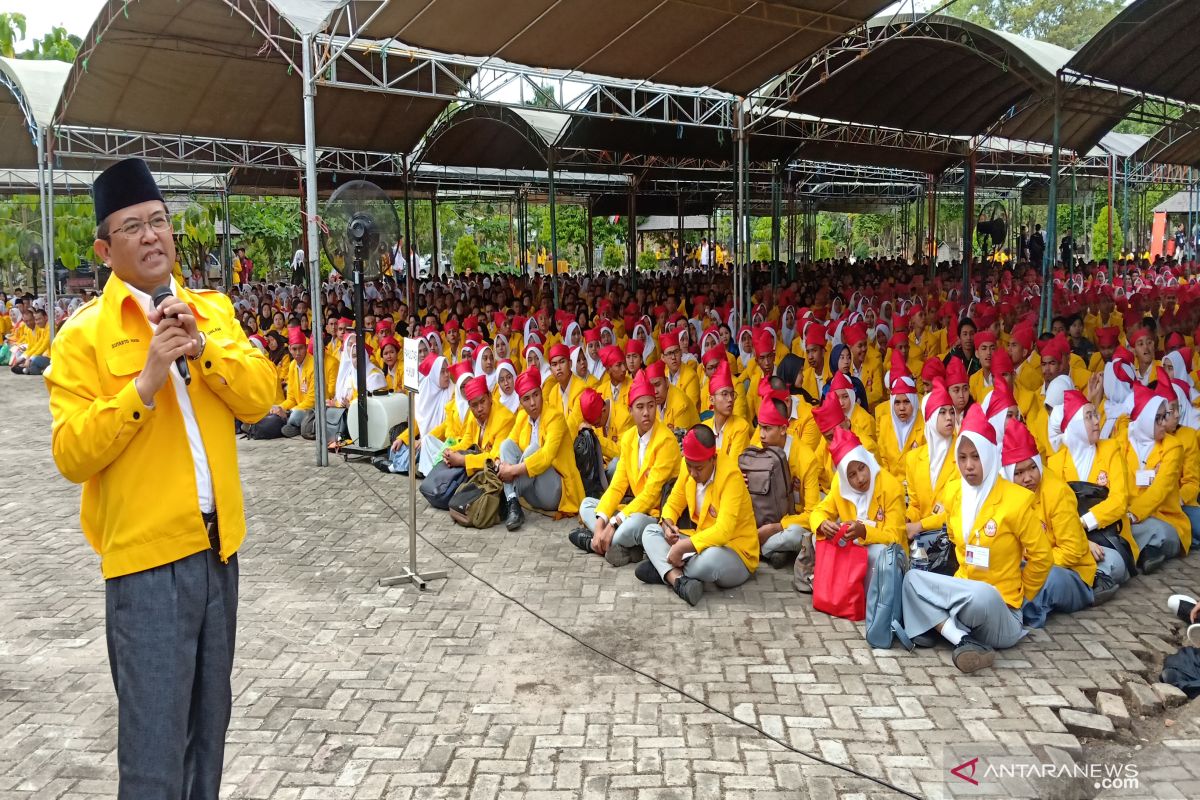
(930, 599)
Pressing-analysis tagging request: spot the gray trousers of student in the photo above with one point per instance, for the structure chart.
(1193, 515)
(543, 491)
(1153, 532)
(930, 599)
(628, 533)
(296, 417)
(718, 565)
(612, 470)
(1113, 566)
(789, 540)
(171, 633)
(1063, 592)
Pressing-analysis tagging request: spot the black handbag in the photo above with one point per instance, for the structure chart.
(940, 556)
(590, 463)
(1087, 496)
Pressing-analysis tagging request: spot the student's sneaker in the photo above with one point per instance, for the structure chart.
(646, 572)
(290, 431)
(618, 555)
(1104, 588)
(1181, 606)
(382, 464)
(780, 559)
(689, 589)
(972, 656)
(581, 537)
(1150, 560)
(927, 639)
(515, 517)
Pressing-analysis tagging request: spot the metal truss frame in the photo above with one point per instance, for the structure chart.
(23, 104)
(805, 129)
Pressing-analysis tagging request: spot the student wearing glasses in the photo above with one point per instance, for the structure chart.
(1154, 470)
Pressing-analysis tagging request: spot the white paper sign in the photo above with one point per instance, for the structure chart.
(412, 376)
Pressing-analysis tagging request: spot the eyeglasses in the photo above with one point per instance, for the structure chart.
(1159, 419)
(159, 223)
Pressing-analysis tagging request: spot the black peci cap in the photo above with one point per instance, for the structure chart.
(122, 185)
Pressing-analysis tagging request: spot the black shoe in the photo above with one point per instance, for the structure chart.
(515, 517)
(647, 573)
(972, 656)
(1150, 560)
(382, 464)
(781, 559)
(689, 589)
(582, 538)
(290, 431)
(1104, 588)
(618, 555)
(926, 639)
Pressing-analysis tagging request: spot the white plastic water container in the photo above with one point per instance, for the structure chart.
(383, 413)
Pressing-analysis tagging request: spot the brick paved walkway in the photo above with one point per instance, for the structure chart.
(346, 690)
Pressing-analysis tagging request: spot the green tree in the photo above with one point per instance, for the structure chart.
(647, 260)
(12, 30)
(1100, 236)
(57, 45)
(614, 257)
(195, 235)
(270, 229)
(466, 254)
(1066, 23)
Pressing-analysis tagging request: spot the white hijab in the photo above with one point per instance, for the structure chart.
(648, 345)
(973, 497)
(572, 328)
(1009, 471)
(1180, 372)
(1118, 396)
(860, 500)
(1141, 430)
(460, 400)
(491, 376)
(511, 401)
(1188, 417)
(573, 361)
(939, 445)
(903, 429)
(347, 377)
(543, 368)
(1082, 451)
(431, 398)
(1054, 431)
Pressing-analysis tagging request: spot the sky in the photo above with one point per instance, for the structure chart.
(42, 15)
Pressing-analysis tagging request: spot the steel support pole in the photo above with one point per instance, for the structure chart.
(968, 229)
(51, 257)
(1112, 175)
(1127, 233)
(410, 255)
(314, 251)
(632, 225)
(1047, 304)
(227, 240)
(553, 227)
(435, 269)
(776, 220)
(43, 219)
(591, 246)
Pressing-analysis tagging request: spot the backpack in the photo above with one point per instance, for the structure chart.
(441, 483)
(770, 483)
(269, 427)
(476, 503)
(590, 463)
(884, 596)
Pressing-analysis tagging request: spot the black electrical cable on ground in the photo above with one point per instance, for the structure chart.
(652, 678)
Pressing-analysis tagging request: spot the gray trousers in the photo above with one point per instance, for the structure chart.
(1113, 566)
(628, 533)
(171, 633)
(718, 565)
(789, 540)
(1153, 532)
(296, 417)
(543, 492)
(612, 469)
(974, 606)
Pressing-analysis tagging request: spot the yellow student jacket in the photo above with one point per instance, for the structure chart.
(678, 412)
(891, 456)
(140, 507)
(885, 513)
(1108, 470)
(727, 517)
(1060, 519)
(488, 440)
(555, 451)
(301, 387)
(644, 483)
(1161, 498)
(926, 502)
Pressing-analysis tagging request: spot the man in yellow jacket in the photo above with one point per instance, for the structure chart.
(301, 386)
(33, 360)
(486, 428)
(722, 548)
(537, 460)
(127, 421)
(675, 410)
(649, 457)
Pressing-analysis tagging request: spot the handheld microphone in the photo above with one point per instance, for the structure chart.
(160, 294)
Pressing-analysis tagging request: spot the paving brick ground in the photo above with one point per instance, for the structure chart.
(503, 682)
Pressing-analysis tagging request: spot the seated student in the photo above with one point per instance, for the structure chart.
(564, 386)
(901, 429)
(1068, 587)
(614, 388)
(680, 374)
(1187, 608)
(780, 542)
(723, 547)
(1003, 559)
(537, 460)
(434, 394)
(649, 458)
(487, 427)
(958, 384)
(1154, 470)
(863, 496)
(506, 386)
(1181, 423)
(731, 431)
(862, 424)
(34, 358)
(828, 417)
(1085, 456)
(673, 406)
(301, 386)
(635, 358)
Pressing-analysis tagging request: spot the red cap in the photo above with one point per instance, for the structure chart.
(713, 355)
(984, 337)
(1136, 334)
(1052, 350)
(1024, 335)
(721, 379)
(559, 350)
(814, 336)
(591, 406)
(1019, 443)
(1163, 388)
(956, 372)
(939, 397)
(1107, 337)
(975, 422)
(668, 340)
(426, 366)
(389, 340)
(640, 387)
(903, 384)
(610, 356)
(656, 370)
(840, 382)
(383, 325)
(694, 450)
(1175, 340)
(1002, 362)
(634, 346)
(460, 368)
(499, 318)
(451, 325)
(768, 414)
(844, 442)
(296, 336)
(527, 381)
(829, 414)
(1072, 402)
(591, 335)
(475, 387)
(899, 366)
(853, 334)
(345, 322)
(933, 369)
(470, 323)
(764, 343)
(1001, 398)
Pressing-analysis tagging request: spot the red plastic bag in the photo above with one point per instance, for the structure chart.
(839, 580)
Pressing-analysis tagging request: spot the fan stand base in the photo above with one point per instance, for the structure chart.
(359, 453)
(420, 580)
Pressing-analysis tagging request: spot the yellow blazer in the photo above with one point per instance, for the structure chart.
(806, 482)
(679, 411)
(555, 451)
(735, 435)
(891, 455)
(301, 387)
(689, 382)
(1060, 520)
(619, 419)
(488, 440)
(885, 513)
(1161, 498)
(1108, 470)
(926, 503)
(645, 483)
(554, 395)
(1009, 510)
(872, 378)
(863, 426)
(727, 517)
(1189, 486)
